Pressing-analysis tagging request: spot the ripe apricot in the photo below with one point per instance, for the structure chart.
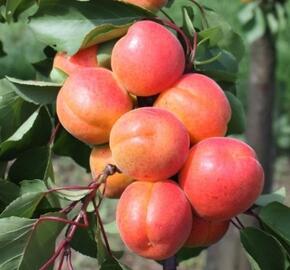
(221, 178)
(154, 218)
(148, 59)
(83, 58)
(205, 233)
(153, 5)
(115, 184)
(200, 104)
(89, 103)
(149, 144)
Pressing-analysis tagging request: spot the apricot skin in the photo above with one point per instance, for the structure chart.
(205, 233)
(141, 66)
(149, 144)
(154, 219)
(115, 184)
(222, 178)
(82, 59)
(200, 104)
(89, 103)
(153, 5)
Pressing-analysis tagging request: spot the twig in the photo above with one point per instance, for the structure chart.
(170, 263)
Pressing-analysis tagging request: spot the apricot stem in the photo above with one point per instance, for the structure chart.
(240, 223)
(53, 134)
(236, 225)
(99, 220)
(170, 263)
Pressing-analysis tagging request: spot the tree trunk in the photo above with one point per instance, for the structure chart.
(228, 254)
(261, 104)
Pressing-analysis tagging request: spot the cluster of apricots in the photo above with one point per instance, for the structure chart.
(182, 181)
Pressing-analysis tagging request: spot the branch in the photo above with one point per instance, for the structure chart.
(170, 263)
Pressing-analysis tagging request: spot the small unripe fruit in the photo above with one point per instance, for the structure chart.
(148, 4)
(149, 144)
(89, 103)
(148, 59)
(222, 178)
(82, 59)
(205, 233)
(154, 219)
(115, 184)
(200, 104)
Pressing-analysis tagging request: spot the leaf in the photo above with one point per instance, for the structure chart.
(84, 240)
(263, 250)
(37, 92)
(113, 264)
(66, 145)
(24, 8)
(31, 164)
(111, 228)
(12, 107)
(26, 244)
(71, 195)
(188, 17)
(237, 124)
(276, 196)
(21, 48)
(29, 186)
(23, 206)
(186, 253)
(213, 35)
(277, 217)
(34, 131)
(8, 192)
(69, 25)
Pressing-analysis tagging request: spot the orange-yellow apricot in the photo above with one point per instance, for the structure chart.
(205, 233)
(222, 178)
(153, 5)
(115, 184)
(148, 59)
(200, 104)
(82, 59)
(149, 144)
(154, 218)
(89, 103)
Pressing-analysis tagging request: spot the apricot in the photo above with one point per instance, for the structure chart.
(154, 218)
(83, 58)
(89, 103)
(222, 178)
(148, 59)
(149, 144)
(115, 184)
(205, 233)
(200, 104)
(152, 5)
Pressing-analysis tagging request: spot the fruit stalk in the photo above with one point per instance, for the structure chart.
(170, 263)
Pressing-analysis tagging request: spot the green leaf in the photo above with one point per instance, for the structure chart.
(8, 192)
(22, 49)
(256, 27)
(186, 253)
(237, 123)
(69, 25)
(34, 131)
(277, 217)
(66, 145)
(84, 239)
(113, 264)
(276, 196)
(111, 228)
(263, 250)
(213, 35)
(37, 92)
(26, 244)
(31, 164)
(188, 17)
(32, 186)
(70, 195)
(12, 107)
(23, 206)
(224, 68)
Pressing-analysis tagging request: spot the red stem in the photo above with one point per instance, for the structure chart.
(69, 208)
(69, 262)
(62, 220)
(102, 228)
(53, 134)
(61, 260)
(236, 225)
(240, 223)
